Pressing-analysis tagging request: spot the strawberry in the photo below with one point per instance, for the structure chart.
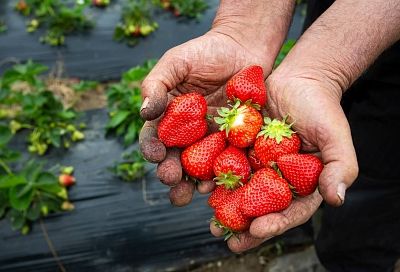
(301, 171)
(229, 217)
(266, 192)
(248, 84)
(66, 180)
(184, 121)
(241, 123)
(232, 168)
(219, 196)
(255, 163)
(198, 159)
(276, 139)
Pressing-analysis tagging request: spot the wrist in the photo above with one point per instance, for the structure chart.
(259, 27)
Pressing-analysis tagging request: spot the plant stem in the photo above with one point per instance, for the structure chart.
(5, 167)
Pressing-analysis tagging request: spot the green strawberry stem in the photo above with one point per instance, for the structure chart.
(276, 129)
(229, 180)
(227, 232)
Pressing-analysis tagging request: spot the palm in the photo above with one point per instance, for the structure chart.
(205, 65)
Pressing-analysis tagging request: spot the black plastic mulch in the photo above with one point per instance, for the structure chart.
(116, 226)
(96, 55)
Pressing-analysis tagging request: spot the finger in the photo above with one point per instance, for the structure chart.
(152, 149)
(165, 76)
(216, 231)
(169, 171)
(299, 212)
(339, 157)
(244, 241)
(182, 194)
(205, 187)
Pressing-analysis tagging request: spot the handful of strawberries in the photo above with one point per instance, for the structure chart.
(255, 162)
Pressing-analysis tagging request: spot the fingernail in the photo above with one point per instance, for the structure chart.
(145, 103)
(341, 192)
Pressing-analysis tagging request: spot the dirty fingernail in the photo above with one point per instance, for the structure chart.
(341, 192)
(145, 103)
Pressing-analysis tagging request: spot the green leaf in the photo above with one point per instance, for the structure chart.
(33, 212)
(46, 178)
(51, 188)
(117, 119)
(11, 181)
(131, 134)
(32, 170)
(20, 203)
(17, 219)
(26, 189)
(5, 135)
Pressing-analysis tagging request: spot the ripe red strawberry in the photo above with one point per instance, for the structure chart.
(198, 159)
(184, 121)
(66, 180)
(266, 192)
(241, 123)
(301, 171)
(219, 196)
(276, 139)
(248, 84)
(255, 163)
(229, 217)
(232, 168)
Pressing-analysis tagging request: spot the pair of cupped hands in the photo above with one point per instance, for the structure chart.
(204, 65)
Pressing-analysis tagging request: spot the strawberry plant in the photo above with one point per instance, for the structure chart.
(124, 102)
(28, 105)
(187, 8)
(27, 193)
(57, 18)
(136, 22)
(84, 86)
(131, 168)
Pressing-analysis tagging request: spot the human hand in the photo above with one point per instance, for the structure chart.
(313, 105)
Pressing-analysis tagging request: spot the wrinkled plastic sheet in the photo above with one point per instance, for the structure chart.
(117, 226)
(95, 55)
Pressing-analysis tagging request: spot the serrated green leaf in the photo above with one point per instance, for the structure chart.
(11, 181)
(45, 178)
(131, 134)
(117, 119)
(33, 212)
(20, 203)
(17, 219)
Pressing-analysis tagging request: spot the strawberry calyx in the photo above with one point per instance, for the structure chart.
(226, 232)
(229, 180)
(228, 117)
(276, 129)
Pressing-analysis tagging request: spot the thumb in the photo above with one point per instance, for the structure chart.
(169, 71)
(339, 157)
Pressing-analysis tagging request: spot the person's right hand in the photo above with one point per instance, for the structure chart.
(202, 65)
